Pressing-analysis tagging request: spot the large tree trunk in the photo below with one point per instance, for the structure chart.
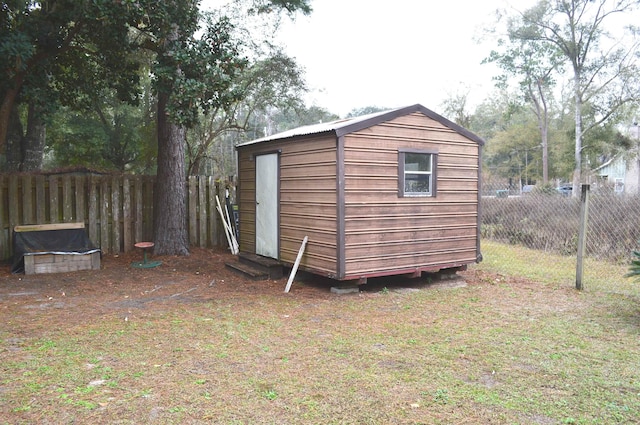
(544, 133)
(170, 203)
(25, 152)
(6, 109)
(13, 147)
(34, 141)
(577, 171)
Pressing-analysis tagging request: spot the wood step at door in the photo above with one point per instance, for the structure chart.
(247, 270)
(272, 267)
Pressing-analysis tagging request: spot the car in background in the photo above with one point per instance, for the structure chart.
(565, 189)
(528, 188)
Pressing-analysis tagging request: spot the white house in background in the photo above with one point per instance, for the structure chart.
(621, 173)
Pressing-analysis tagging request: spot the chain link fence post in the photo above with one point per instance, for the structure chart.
(582, 234)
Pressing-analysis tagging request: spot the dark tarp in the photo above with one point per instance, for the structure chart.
(63, 241)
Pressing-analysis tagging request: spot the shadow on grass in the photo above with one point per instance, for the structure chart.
(401, 283)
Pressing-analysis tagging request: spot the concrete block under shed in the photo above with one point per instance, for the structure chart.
(342, 290)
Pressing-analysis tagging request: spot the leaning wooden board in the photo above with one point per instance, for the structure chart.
(53, 226)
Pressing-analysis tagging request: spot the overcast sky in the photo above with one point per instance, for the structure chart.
(359, 53)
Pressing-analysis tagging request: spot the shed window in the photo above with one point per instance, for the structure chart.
(416, 173)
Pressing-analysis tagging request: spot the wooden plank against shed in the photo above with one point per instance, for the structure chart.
(193, 218)
(213, 217)
(221, 193)
(41, 204)
(53, 199)
(53, 226)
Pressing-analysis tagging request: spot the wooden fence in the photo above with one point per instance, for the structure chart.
(117, 210)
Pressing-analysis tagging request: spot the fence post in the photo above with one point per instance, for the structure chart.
(582, 234)
(41, 206)
(192, 216)
(126, 214)
(202, 212)
(93, 209)
(54, 203)
(103, 202)
(213, 217)
(115, 214)
(138, 212)
(67, 199)
(27, 200)
(5, 246)
(80, 197)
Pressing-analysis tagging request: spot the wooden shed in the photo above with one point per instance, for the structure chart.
(395, 192)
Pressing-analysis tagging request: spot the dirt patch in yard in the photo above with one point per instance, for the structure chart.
(119, 288)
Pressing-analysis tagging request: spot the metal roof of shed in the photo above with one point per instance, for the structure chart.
(350, 125)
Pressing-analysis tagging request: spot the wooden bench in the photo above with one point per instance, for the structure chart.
(49, 258)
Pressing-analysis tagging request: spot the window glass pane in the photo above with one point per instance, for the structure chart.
(417, 183)
(417, 162)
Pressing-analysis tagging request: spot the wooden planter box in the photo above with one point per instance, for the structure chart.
(60, 263)
(55, 248)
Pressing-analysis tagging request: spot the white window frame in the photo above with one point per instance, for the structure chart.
(402, 172)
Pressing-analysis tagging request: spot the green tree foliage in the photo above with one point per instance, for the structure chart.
(604, 68)
(293, 118)
(535, 65)
(357, 112)
(514, 152)
(56, 45)
(53, 51)
(192, 75)
(106, 133)
(110, 138)
(456, 108)
(490, 117)
(265, 86)
(634, 268)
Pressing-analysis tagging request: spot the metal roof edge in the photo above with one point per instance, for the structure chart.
(350, 125)
(378, 118)
(287, 135)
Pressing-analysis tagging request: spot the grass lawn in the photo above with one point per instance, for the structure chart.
(513, 346)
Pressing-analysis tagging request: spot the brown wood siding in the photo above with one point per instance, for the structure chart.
(308, 200)
(246, 199)
(308, 203)
(384, 232)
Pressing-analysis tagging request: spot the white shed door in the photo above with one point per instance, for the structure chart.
(267, 205)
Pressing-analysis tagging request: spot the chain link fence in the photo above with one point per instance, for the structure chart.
(548, 222)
